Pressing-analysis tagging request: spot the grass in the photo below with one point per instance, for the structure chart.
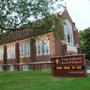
(41, 81)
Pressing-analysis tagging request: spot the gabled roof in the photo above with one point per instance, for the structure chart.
(20, 34)
(65, 14)
(27, 33)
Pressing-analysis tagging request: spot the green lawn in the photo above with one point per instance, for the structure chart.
(41, 81)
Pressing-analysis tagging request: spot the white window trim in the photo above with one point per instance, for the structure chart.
(9, 46)
(41, 54)
(23, 42)
(2, 53)
(71, 31)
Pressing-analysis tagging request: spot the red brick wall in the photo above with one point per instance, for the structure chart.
(66, 15)
(42, 58)
(56, 47)
(25, 60)
(11, 61)
(33, 52)
(1, 61)
(5, 55)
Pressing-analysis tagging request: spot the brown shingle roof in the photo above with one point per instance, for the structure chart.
(19, 35)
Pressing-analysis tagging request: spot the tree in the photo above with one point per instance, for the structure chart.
(19, 14)
(85, 42)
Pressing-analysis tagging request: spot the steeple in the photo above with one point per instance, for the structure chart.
(65, 6)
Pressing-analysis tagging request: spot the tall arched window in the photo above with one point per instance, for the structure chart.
(68, 33)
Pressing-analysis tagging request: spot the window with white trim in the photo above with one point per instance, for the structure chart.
(25, 48)
(68, 34)
(42, 47)
(1, 53)
(11, 51)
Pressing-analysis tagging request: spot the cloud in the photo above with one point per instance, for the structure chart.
(79, 11)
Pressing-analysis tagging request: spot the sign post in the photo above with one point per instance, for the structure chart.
(70, 66)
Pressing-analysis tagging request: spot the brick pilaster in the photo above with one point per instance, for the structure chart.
(17, 52)
(5, 59)
(33, 51)
(5, 55)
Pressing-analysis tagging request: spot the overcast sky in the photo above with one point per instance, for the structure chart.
(79, 11)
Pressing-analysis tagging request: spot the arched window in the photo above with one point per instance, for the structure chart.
(68, 33)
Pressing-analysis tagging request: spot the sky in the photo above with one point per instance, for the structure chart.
(79, 11)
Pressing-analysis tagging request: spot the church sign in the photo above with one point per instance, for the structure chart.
(73, 65)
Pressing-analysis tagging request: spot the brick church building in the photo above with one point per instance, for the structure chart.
(17, 48)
